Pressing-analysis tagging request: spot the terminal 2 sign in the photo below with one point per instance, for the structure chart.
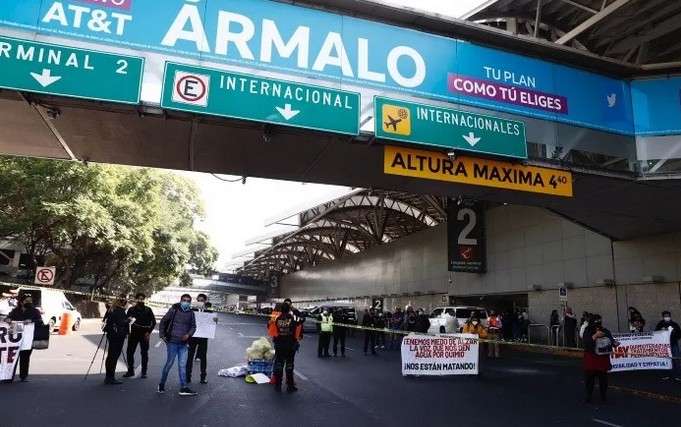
(468, 170)
(466, 245)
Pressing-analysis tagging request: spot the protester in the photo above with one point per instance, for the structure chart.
(25, 313)
(395, 326)
(369, 335)
(494, 326)
(675, 334)
(422, 321)
(598, 345)
(339, 332)
(199, 346)
(380, 323)
(176, 328)
(116, 328)
(570, 328)
(285, 348)
(140, 332)
(636, 320)
(473, 326)
(554, 323)
(325, 330)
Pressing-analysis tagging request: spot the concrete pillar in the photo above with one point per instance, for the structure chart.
(15, 260)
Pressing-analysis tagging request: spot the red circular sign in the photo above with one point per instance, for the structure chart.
(190, 97)
(45, 275)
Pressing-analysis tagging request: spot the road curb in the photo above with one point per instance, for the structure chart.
(662, 397)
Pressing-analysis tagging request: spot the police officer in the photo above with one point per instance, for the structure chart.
(140, 331)
(339, 332)
(325, 329)
(285, 348)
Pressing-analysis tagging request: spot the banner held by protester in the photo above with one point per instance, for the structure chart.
(10, 345)
(455, 354)
(642, 351)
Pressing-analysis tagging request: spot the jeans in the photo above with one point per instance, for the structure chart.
(133, 340)
(197, 347)
(180, 351)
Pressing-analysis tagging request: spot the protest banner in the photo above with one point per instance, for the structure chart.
(205, 325)
(10, 345)
(455, 354)
(642, 351)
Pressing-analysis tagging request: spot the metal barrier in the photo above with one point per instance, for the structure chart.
(537, 325)
(554, 339)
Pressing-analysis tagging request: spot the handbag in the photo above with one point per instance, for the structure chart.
(41, 337)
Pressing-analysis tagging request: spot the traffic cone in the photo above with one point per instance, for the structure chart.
(64, 326)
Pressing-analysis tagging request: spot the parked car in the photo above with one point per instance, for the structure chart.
(52, 305)
(313, 312)
(447, 320)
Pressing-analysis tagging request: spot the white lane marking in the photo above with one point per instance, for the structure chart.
(302, 377)
(158, 344)
(231, 329)
(605, 423)
(240, 334)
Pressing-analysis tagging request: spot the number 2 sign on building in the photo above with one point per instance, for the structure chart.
(467, 251)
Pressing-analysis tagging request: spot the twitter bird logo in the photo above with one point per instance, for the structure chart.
(612, 100)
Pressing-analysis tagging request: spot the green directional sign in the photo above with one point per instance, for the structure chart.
(262, 99)
(448, 128)
(60, 70)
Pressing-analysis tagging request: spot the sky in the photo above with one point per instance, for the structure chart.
(237, 212)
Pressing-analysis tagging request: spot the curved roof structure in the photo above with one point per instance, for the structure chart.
(349, 224)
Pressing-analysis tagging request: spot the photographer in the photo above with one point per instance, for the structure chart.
(144, 322)
(116, 329)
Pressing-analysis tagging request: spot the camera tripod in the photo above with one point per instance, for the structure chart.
(101, 366)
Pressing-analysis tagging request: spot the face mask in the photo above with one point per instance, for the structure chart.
(28, 305)
(140, 302)
(325, 312)
(122, 302)
(598, 323)
(185, 305)
(667, 319)
(475, 323)
(201, 304)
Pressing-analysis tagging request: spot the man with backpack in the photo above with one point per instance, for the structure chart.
(175, 329)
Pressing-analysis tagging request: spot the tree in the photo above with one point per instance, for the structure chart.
(119, 229)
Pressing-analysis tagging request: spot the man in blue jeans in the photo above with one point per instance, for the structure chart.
(175, 329)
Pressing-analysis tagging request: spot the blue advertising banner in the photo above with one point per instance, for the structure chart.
(657, 106)
(274, 36)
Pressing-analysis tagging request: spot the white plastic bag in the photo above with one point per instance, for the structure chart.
(234, 371)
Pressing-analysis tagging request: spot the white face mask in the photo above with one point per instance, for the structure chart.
(475, 323)
(201, 304)
(325, 312)
(667, 319)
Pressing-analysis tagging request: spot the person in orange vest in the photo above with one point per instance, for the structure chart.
(271, 327)
(494, 326)
(285, 344)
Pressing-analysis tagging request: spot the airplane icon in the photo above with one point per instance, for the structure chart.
(392, 122)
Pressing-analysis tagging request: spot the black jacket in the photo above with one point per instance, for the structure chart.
(116, 323)
(145, 321)
(676, 331)
(32, 314)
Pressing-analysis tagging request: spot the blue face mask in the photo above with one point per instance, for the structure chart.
(185, 305)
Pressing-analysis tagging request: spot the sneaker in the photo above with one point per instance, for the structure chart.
(112, 381)
(666, 377)
(25, 380)
(677, 379)
(187, 392)
(143, 375)
(204, 381)
(161, 388)
(291, 389)
(128, 374)
(277, 387)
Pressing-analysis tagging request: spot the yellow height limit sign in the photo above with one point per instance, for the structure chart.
(468, 170)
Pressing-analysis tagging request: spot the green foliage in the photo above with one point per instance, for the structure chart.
(120, 229)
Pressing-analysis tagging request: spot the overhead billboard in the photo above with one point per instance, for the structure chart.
(657, 106)
(289, 39)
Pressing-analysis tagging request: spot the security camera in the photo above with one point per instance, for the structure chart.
(451, 155)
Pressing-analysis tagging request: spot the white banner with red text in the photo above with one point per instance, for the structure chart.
(642, 351)
(10, 345)
(455, 354)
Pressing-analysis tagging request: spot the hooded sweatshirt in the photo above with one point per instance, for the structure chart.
(183, 323)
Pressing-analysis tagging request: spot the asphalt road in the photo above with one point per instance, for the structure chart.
(519, 389)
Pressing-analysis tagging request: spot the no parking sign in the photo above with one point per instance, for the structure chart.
(45, 275)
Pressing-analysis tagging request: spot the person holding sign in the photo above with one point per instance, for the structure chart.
(25, 313)
(598, 345)
(199, 346)
(675, 333)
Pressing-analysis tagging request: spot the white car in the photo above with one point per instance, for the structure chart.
(52, 305)
(447, 320)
